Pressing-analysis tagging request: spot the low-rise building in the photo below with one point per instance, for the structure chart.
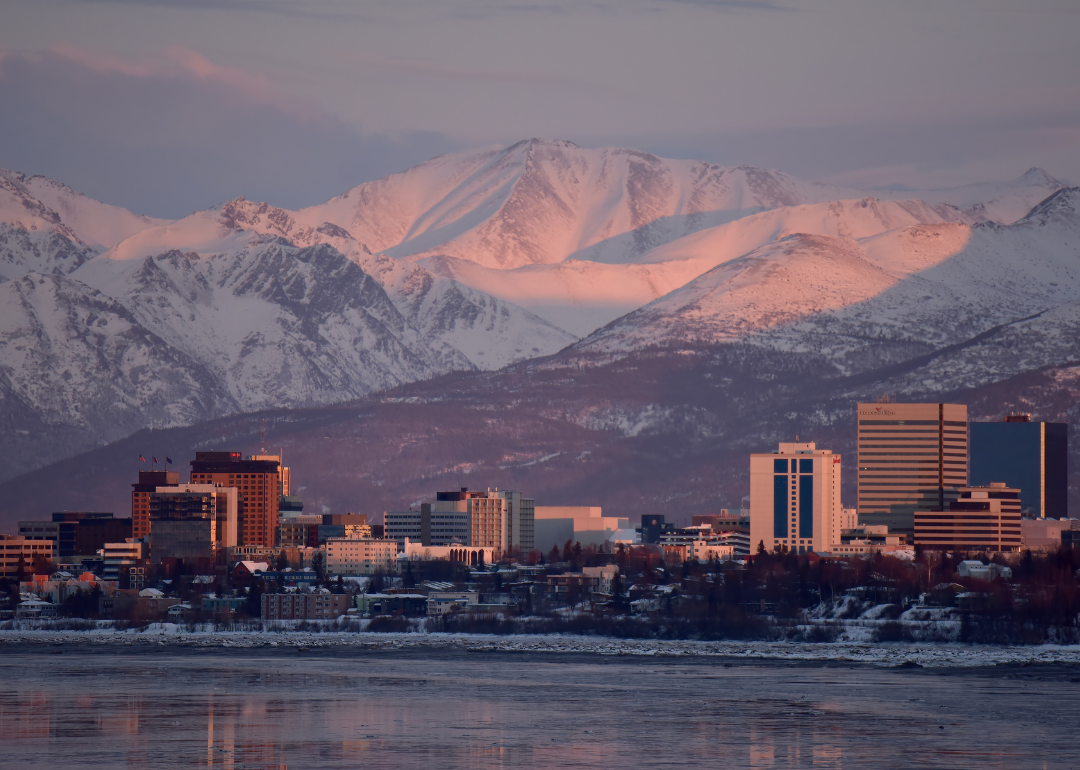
(406, 603)
(360, 556)
(443, 602)
(605, 577)
(18, 553)
(972, 568)
(981, 519)
(125, 563)
(306, 606)
(571, 587)
(222, 605)
(463, 554)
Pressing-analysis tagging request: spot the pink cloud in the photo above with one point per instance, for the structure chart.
(176, 62)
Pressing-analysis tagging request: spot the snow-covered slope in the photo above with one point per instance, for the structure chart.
(863, 302)
(583, 296)
(541, 202)
(91, 222)
(1002, 202)
(80, 358)
(453, 319)
(274, 323)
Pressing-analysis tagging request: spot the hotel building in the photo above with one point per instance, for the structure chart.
(795, 499)
(912, 457)
(257, 487)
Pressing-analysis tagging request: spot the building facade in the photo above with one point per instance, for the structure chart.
(912, 457)
(77, 533)
(553, 525)
(795, 499)
(297, 606)
(981, 519)
(360, 556)
(17, 553)
(190, 521)
(148, 483)
(1030, 456)
(257, 489)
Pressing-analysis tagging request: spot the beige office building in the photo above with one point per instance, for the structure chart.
(795, 499)
(912, 457)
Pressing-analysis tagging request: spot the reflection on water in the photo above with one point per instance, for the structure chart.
(458, 710)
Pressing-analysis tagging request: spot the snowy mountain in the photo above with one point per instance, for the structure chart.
(1005, 294)
(475, 261)
(51, 205)
(583, 296)
(453, 319)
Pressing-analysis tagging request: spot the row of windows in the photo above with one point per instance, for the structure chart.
(894, 432)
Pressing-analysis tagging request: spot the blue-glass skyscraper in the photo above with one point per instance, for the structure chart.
(1030, 456)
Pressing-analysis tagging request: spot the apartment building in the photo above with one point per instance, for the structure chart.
(360, 556)
(298, 606)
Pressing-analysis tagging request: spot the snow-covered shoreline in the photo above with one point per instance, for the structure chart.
(932, 655)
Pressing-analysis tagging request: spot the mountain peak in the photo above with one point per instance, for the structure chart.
(1064, 202)
(1036, 175)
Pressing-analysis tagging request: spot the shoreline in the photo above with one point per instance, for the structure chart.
(169, 638)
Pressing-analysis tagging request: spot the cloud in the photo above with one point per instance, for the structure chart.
(729, 5)
(178, 133)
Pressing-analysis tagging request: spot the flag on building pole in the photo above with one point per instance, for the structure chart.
(168, 460)
(154, 457)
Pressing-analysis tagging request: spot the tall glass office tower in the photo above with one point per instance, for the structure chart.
(1030, 456)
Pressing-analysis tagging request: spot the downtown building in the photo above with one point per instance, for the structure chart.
(498, 520)
(192, 521)
(795, 499)
(1032, 457)
(912, 457)
(985, 518)
(258, 492)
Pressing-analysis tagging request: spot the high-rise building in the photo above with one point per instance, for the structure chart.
(795, 499)
(985, 518)
(258, 492)
(1030, 456)
(912, 457)
(189, 521)
(148, 482)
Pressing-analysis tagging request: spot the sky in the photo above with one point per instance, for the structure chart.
(170, 106)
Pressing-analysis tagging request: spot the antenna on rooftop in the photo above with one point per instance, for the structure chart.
(262, 443)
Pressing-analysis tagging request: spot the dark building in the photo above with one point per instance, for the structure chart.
(257, 486)
(148, 483)
(652, 527)
(1030, 456)
(78, 533)
(183, 525)
(290, 504)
